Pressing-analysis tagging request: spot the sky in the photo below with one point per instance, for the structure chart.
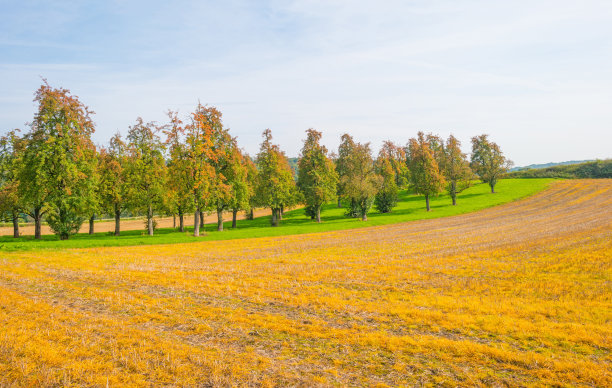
(534, 75)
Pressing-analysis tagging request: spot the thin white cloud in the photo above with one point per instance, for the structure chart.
(536, 70)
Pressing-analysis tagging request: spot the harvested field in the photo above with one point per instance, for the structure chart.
(518, 294)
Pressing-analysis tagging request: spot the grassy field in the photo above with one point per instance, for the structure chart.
(410, 208)
(514, 295)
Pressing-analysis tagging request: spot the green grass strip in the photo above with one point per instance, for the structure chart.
(410, 207)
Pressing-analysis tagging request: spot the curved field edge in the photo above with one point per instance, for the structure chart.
(410, 208)
(514, 295)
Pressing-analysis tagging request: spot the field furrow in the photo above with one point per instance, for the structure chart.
(518, 294)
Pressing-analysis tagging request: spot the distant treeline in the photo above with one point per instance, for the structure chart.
(594, 169)
(53, 172)
(546, 165)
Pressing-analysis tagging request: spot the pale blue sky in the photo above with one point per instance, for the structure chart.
(535, 75)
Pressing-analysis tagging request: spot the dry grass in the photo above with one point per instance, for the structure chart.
(131, 224)
(519, 294)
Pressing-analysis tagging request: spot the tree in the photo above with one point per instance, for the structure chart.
(178, 197)
(252, 179)
(456, 168)
(209, 152)
(223, 148)
(241, 189)
(317, 177)
(113, 180)
(342, 165)
(201, 153)
(10, 153)
(360, 183)
(59, 158)
(425, 174)
(396, 156)
(93, 205)
(295, 196)
(386, 198)
(436, 145)
(275, 184)
(145, 169)
(488, 161)
(33, 188)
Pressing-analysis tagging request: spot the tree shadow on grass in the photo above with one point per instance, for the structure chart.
(471, 195)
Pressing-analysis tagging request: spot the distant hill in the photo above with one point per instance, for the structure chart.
(551, 164)
(589, 169)
(293, 162)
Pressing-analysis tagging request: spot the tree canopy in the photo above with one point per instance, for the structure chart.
(425, 174)
(317, 177)
(488, 161)
(359, 179)
(58, 161)
(456, 168)
(275, 186)
(386, 198)
(10, 154)
(54, 173)
(145, 169)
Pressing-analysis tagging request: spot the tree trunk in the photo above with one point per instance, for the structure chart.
(15, 224)
(454, 197)
(274, 217)
(62, 217)
(91, 223)
(181, 222)
(280, 211)
(492, 187)
(37, 223)
(250, 214)
(201, 220)
(427, 202)
(196, 223)
(150, 220)
(117, 220)
(234, 215)
(362, 208)
(354, 212)
(319, 214)
(339, 202)
(219, 220)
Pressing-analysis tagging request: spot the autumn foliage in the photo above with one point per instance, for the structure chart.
(192, 166)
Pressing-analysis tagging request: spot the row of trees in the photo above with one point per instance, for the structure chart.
(427, 165)
(55, 172)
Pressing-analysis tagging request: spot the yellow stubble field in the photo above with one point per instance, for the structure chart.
(519, 294)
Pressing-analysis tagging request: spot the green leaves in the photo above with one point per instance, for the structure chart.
(145, 168)
(112, 171)
(456, 168)
(386, 198)
(317, 177)
(275, 184)
(425, 175)
(10, 154)
(488, 161)
(59, 160)
(359, 181)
